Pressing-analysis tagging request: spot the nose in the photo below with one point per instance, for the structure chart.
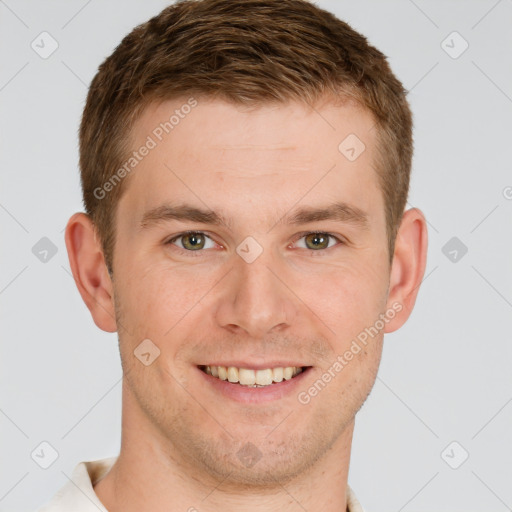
(254, 299)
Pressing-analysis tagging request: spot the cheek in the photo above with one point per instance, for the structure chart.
(348, 298)
(155, 298)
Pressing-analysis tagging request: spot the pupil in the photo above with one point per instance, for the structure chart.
(317, 239)
(193, 240)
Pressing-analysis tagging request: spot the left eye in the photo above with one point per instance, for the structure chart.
(318, 240)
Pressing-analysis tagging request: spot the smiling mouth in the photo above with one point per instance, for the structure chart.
(253, 378)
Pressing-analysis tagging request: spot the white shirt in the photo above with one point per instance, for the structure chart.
(79, 495)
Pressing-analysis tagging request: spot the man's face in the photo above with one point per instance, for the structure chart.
(256, 291)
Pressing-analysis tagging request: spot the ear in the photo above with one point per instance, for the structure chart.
(90, 271)
(408, 268)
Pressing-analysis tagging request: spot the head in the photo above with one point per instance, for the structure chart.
(275, 119)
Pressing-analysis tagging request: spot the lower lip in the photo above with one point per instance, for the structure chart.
(247, 395)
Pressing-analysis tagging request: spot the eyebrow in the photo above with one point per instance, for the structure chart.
(338, 211)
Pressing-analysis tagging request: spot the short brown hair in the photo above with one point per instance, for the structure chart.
(247, 52)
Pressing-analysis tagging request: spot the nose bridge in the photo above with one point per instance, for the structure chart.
(255, 299)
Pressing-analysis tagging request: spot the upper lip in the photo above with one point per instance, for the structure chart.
(252, 365)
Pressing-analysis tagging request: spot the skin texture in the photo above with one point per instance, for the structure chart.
(180, 437)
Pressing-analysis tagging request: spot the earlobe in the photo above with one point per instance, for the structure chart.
(89, 270)
(409, 262)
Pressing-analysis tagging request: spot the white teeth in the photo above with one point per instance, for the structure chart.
(232, 374)
(278, 374)
(247, 377)
(253, 378)
(264, 377)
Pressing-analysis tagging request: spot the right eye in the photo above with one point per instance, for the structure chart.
(191, 241)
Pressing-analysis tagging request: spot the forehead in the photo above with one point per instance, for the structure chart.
(209, 151)
(217, 126)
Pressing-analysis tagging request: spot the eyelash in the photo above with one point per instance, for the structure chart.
(313, 252)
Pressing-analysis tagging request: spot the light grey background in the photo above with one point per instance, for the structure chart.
(445, 376)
